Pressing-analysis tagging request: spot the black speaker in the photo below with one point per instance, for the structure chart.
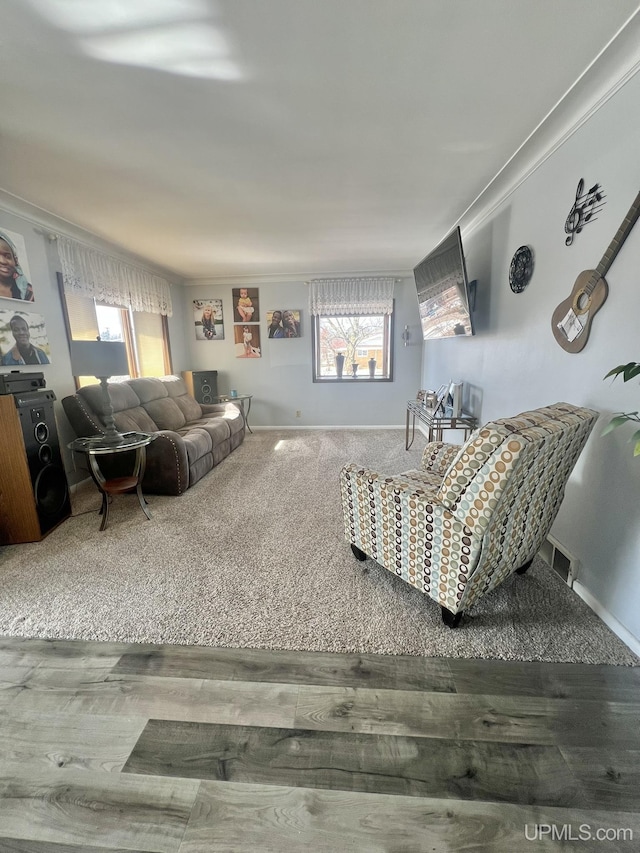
(202, 384)
(33, 484)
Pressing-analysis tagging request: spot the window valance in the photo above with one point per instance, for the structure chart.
(332, 296)
(88, 272)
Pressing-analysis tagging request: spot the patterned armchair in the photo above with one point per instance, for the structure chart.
(472, 515)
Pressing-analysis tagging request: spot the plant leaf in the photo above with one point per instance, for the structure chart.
(617, 370)
(636, 437)
(630, 371)
(615, 422)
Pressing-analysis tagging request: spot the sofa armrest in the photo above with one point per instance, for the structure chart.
(214, 408)
(83, 420)
(167, 469)
(404, 527)
(438, 456)
(376, 507)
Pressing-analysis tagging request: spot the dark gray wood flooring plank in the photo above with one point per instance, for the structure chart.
(558, 680)
(19, 845)
(418, 767)
(288, 667)
(63, 676)
(610, 778)
(514, 719)
(48, 741)
(109, 810)
(237, 818)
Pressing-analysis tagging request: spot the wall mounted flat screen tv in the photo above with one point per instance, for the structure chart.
(443, 291)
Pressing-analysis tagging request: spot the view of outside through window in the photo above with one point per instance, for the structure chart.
(109, 323)
(110, 328)
(363, 342)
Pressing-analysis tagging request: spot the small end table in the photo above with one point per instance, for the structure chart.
(96, 446)
(437, 423)
(240, 398)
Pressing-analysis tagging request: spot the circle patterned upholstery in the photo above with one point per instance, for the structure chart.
(474, 514)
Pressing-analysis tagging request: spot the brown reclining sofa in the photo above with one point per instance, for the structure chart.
(191, 437)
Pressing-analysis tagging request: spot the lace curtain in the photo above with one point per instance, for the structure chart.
(88, 272)
(331, 296)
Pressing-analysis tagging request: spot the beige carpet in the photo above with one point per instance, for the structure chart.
(254, 555)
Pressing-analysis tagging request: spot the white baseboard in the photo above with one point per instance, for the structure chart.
(326, 427)
(610, 621)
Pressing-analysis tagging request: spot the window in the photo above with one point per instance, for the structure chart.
(145, 334)
(352, 347)
(352, 329)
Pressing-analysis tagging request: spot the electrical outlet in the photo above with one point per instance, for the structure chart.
(298, 413)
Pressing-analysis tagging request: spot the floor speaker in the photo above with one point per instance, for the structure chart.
(202, 384)
(34, 494)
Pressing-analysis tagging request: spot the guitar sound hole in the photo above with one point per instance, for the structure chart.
(582, 302)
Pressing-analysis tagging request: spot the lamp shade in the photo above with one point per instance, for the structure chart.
(99, 358)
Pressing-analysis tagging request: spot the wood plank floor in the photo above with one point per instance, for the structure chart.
(114, 747)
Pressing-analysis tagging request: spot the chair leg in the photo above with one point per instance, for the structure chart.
(357, 553)
(451, 620)
(524, 568)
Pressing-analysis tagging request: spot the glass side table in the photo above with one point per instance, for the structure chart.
(95, 447)
(436, 423)
(242, 399)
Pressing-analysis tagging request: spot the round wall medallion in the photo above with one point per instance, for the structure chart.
(520, 269)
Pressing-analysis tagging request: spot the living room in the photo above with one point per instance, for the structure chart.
(511, 364)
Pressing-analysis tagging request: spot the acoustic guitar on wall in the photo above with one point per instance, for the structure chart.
(571, 321)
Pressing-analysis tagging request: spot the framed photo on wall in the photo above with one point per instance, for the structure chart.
(246, 304)
(283, 323)
(23, 339)
(15, 278)
(247, 340)
(208, 319)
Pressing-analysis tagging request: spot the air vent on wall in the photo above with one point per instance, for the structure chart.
(561, 561)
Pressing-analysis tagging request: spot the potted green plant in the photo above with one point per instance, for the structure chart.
(627, 371)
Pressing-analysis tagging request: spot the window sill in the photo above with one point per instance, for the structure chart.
(346, 380)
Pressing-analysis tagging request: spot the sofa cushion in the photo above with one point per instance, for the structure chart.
(177, 391)
(197, 443)
(121, 394)
(148, 388)
(190, 408)
(136, 419)
(160, 406)
(166, 413)
(216, 428)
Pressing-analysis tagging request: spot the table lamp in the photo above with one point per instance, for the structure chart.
(101, 359)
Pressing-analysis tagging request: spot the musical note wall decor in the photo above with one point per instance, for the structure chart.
(584, 210)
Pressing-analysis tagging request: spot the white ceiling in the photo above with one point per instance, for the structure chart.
(221, 138)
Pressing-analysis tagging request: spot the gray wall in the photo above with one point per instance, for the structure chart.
(514, 363)
(282, 381)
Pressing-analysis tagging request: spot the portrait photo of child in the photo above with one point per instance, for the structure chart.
(208, 319)
(247, 340)
(246, 305)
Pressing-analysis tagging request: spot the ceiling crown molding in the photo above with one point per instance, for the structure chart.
(616, 64)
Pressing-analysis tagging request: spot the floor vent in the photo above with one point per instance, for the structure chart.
(561, 561)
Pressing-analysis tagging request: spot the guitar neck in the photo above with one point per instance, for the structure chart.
(616, 244)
